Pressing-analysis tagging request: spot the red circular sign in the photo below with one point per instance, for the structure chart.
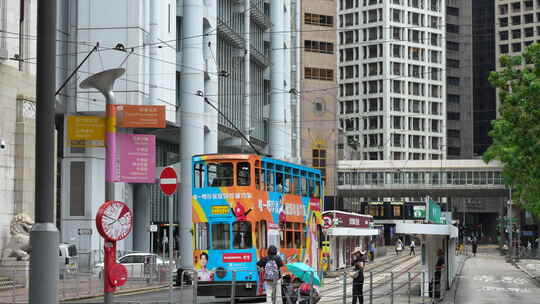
(118, 275)
(168, 180)
(114, 220)
(327, 222)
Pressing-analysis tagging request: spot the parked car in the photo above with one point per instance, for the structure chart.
(68, 259)
(135, 264)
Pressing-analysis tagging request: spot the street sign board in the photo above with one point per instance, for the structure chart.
(86, 131)
(135, 159)
(153, 228)
(168, 180)
(434, 213)
(419, 212)
(134, 116)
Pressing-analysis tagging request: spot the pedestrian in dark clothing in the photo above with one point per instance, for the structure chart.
(474, 247)
(438, 273)
(412, 245)
(271, 265)
(358, 276)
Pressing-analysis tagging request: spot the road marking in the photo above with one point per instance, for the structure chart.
(503, 280)
(504, 289)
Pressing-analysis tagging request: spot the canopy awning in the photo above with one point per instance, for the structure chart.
(347, 231)
(427, 229)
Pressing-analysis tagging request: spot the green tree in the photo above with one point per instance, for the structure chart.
(516, 131)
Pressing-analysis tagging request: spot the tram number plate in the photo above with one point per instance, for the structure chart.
(220, 210)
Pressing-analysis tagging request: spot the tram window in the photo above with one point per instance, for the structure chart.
(220, 174)
(279, 181)
(304, 231)
(263, 237)
(242, 170)
(198, 175)
(304, 185)
(258, 181)
(282, 239)
(242, 235)
(221, 234)
(310, 185)
(201, 236)
(288, 235)
(317, 189)
(297, 235)
(296, 185)
(287, 184)
(269, 180)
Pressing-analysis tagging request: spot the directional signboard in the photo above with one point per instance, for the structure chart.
(133, 116)
(135, 159)
(86, 131)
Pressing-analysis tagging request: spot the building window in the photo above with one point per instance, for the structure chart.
(321, 20)
(503, 9)
(453, 98)
(319, 47)
(453, 11)
(516, 34)
(503, 22)
(454, 151)
(529, 18)
(453, 133)
(528, 32)
(516, 47)
(319, 158)
(452, 63)
(318, 74)
(503, 35)
(452, 46)
(452, 28)
(503, 48)
(516, 20)
(453, 115)
(454, 81)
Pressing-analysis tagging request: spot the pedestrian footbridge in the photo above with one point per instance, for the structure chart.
(416, 178)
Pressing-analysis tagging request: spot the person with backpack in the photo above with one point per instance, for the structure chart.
(270, 266)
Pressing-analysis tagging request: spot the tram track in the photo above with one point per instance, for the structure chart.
(376, 277)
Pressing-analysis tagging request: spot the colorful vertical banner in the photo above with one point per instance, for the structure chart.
(135, 159)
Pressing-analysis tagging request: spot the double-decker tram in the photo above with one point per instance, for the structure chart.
(243, 203)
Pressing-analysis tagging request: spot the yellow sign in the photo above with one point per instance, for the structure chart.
(86, 131)
(220, 210)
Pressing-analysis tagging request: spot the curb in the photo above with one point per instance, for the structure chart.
(121, 292)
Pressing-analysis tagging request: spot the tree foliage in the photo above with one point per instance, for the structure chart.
(516, 131)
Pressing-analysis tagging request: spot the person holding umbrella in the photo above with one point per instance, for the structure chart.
(306, 278)
(358, 275)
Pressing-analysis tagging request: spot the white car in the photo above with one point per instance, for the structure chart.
(135, 264)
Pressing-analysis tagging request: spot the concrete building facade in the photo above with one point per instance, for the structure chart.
(318, 88)
(391, 99)
(17, 118)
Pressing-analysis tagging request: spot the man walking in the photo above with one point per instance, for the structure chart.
(270, 266)
(412, 245)
(358, 276)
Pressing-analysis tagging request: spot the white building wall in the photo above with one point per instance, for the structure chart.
(110, 23)
(385, 104)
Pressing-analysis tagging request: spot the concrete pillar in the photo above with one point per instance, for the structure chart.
(154, 40)
(192, 107)
(211, 84)
(278, 143)
(141, 222)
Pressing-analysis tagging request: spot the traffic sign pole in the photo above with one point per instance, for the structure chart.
(168, 180)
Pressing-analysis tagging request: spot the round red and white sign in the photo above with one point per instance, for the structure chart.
(168, 180)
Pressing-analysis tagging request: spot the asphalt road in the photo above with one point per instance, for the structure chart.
(488, 279)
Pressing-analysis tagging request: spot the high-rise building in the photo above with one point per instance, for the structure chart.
(470, 57)
(318, 87)
(459, 79)
(484, 50)
(391, 78)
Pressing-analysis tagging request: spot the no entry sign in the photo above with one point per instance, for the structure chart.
(168, 180)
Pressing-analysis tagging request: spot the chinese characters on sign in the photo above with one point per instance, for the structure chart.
(132, 116)
(135, 159)
(86, 131)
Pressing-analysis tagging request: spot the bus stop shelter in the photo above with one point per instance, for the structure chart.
(434, 237)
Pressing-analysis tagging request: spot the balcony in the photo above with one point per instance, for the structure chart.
(257, 14)
(229, 34)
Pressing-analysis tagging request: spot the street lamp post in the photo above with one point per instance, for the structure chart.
(510, 252)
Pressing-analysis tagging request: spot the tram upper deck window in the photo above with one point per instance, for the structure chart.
(220, 174)
(242, 235)
(198, 175)
(221, 234)
(243, 174)
(279, 179)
